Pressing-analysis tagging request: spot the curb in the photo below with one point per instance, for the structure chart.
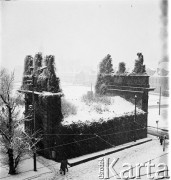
(159, 133)
(107, 153)
(157, 106)
(158, 128)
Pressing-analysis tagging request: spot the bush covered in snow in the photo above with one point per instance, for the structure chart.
(67, 108)
(105, 67)
(96, 99)
(93, 108)
(121, 68)
(139, 68)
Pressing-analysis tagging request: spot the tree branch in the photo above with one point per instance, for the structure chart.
(3, 99)
(4, 135)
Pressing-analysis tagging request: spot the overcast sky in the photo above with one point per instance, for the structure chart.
(81, 32)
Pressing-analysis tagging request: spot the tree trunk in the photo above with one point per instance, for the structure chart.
(10, 150)
(11, 161)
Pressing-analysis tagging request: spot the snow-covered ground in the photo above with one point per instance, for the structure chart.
(94, 111)
(25, 170)
(154, 99)
(74, 91)
(163, 118)
(117, 107)
(153, 111)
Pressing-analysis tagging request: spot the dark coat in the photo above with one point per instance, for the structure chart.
(64, 164)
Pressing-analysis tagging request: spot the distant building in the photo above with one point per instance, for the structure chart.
(150, 71)
(160, 78)
(85, 77)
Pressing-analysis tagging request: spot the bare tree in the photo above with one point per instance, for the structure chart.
(14, 140)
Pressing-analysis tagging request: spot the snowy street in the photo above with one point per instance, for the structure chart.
(153, 111)
(139, 154)
(162, 119)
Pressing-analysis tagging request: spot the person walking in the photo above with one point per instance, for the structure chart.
(164, 142)
(63, 167)
(161, 140)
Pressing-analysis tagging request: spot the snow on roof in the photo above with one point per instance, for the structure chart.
(44, 93)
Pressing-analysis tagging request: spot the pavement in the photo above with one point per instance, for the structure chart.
(92, 156)
(158, 132)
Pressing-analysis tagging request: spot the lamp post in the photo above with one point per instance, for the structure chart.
(157, 125)
(135, 107)
(135, 114)
(159, 102)
(34, 120)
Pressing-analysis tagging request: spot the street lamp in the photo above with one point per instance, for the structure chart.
(34, 120)
(135, 107)
(157, 125)
(135, 113)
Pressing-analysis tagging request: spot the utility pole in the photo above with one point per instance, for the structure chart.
(34, 125)
(159, 100)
